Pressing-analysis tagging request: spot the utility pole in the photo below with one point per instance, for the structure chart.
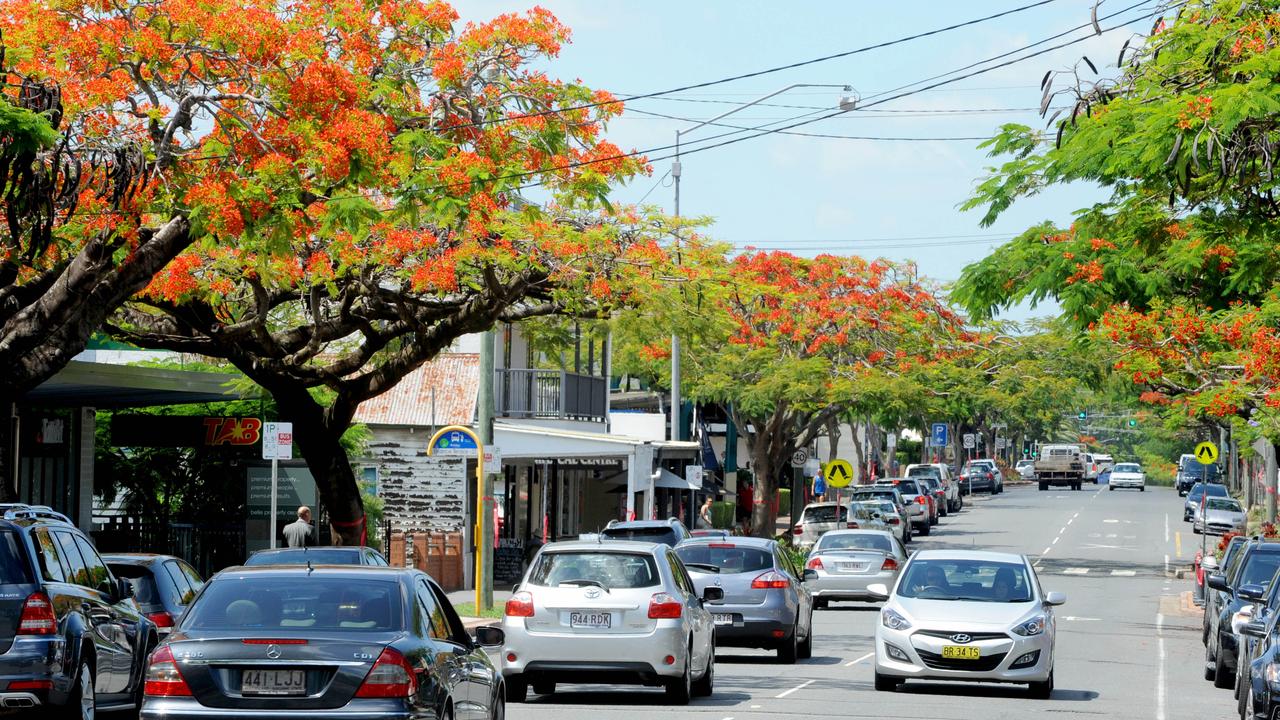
(484, 582)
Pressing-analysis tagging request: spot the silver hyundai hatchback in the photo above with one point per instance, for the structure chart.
(766, 601)
(609, 612)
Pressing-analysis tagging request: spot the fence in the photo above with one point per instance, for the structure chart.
(525, 393)
(207, 548)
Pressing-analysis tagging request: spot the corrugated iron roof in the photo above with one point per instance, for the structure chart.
(455, 380)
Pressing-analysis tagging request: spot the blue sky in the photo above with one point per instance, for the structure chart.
(810, 195)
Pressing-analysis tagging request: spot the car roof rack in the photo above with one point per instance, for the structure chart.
(19, 511)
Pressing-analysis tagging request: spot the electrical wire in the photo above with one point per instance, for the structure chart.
(757, 73)
(832, 136)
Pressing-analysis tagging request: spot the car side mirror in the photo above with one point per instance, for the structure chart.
(1209, 563)
(123, 589)
(1218, 581)
(1254, 629)
(490, 636)
(1251, 592)
(809, 575)
(878, 591)
(1055, 598)
(713, 594)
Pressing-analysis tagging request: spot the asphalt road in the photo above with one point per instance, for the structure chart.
(1128, 638)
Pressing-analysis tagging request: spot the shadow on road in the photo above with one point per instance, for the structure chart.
(632, 696)
(999, 691)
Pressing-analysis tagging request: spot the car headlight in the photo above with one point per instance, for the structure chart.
(1272, 673)
(1031, 627)
(894, 620)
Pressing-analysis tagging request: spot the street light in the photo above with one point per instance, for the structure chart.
(847, 103)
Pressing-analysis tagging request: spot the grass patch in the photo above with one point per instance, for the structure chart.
(469, 610)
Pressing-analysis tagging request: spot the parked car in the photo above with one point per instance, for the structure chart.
(669, 532)
(702, 533)
(338, 555)
(969, 616)
(1091, 467)
(942, 471)
(1250, 645)
(1127, 475)
(1257, 565)
(981, 475)
(847, 561)
(1215, 599)
(886, 494)
(163, 585)
(1104, 462)
(610, 611)
(1190, 472)
(766, 601)
(817, 519)
(1219, 517)
(939, 493)
(72, 641)
(1196, 495)
(919, 503)
(1026, 469)
(322, 642)
(870, 515)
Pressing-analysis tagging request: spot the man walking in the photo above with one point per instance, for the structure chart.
(299, 532)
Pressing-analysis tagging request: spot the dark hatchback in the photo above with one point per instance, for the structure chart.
(71, 638)
(163, 585)
(323, 642)
(1251, 578)
(353, 555)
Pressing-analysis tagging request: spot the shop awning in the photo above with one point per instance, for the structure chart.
(517, 441)
(671, 481)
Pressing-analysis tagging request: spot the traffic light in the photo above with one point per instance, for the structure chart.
(1133, 422)
(1083, 415)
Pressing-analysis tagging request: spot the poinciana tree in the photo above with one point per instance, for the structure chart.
(352, 175)
(785, 344)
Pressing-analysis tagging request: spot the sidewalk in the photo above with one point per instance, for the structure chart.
(458, 597)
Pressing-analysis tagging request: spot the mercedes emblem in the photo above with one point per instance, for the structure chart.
(273, 652)
(961, 638)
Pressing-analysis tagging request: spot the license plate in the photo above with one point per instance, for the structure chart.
(273, 682)
(723, 619)
(594, 621)
(851, 567)
(960, 652)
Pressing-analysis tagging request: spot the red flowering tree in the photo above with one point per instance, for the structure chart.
(786, 344)
(352, 178)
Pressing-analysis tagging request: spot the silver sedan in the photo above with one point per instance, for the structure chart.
(1220, 516)
(847, 561)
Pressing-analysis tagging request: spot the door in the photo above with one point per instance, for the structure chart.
(117, 628)
(481, 675)
(699, 617)
(450, 664)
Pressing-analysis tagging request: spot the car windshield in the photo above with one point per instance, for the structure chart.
(1193, 468)
(642, 534)
(1127, 468)
(1223, 504)
(293, 602)
(886, 494)
(1259, 570)
(854, 541)
(972, 580)
(604, 569)
(924, 471)
(728, 557)
(315, 556)
(824, 514)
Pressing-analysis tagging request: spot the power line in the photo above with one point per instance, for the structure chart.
(757, 73)
(815, 135)
(833, 244)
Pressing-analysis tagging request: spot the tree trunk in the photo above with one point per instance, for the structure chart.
(764, 516)
(8, 446)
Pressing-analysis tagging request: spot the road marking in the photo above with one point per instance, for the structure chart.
(1073, 517)
(755, 707)
(1166, 527)
(851, 663)
(1073, 618)
(1177, 544)
(1076, 571)
(1166, 563)
(801, 686)
(1055, 540)
(1109, 521)
(1160, 691)
(1123, 573)
(1046, 550)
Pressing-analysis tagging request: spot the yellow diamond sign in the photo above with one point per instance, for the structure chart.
(1206, 453)
(838, 473)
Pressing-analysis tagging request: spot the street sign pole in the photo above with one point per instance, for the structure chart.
(479, 541)
(275, 494)
(277, 443)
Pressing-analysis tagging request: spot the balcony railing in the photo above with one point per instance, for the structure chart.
(549, 394)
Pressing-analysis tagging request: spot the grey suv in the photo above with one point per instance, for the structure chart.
(669, 532)
(71, 636)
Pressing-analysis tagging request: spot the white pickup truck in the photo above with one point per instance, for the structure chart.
(1060, 465)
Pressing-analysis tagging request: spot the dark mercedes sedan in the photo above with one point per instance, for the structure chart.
(324, 642)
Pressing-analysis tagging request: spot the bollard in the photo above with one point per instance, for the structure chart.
(1198, 596)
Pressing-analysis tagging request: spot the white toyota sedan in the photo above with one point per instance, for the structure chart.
(968, 616)
(1128, 475)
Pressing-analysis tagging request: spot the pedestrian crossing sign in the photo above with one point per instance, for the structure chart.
(838, 473)
(1206, 453)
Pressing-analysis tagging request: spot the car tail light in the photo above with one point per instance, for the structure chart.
(662, 606)
(815, 564)
(798, 529)
(990, 476)
(164, 679)
(852, 525)
(37, 616)
(922, 500)
(895, 521)
(889, 564)
(162, 619)
(390, 677)
(520, 605)
(770, 580)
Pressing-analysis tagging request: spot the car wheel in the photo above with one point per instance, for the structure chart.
(1221, 677)
(499, 708)
(1248, 712)
(1111, 488)
(680, 689)
(884, 683)
(1042, 690)
(1142, 488)
(705, 685)
(1044, 486)
(543, 687)
(789, 650)
(805, 651)
(1195, 529)
(1210, 663)
(924, 530)
(82, 701)
(517, 689)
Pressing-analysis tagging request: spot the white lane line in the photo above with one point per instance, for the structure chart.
(1123, 573)
(1110, 521)
(755, 707)
(801, 686)
(1076, 571)
(1046, 550)
(1073, 517)
(1166, 563)
(1160, 691)
(851, 663)
(1055, 540)
(1166, 527)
